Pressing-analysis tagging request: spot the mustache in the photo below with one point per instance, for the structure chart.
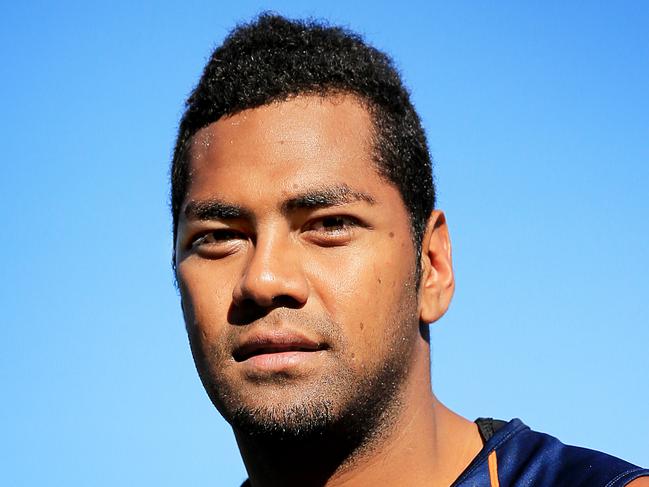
(319, 326)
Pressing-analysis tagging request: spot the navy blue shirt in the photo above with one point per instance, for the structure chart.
(516, 456)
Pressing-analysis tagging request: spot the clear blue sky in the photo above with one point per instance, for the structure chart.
(538, 120)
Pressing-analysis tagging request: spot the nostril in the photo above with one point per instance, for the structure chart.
(286, 301)
(246, 312)
(249, 303)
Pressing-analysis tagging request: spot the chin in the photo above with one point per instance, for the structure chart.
(338, 406)
(286, 421)
(285, 408)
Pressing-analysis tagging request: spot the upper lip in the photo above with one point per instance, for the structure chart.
(275, 341)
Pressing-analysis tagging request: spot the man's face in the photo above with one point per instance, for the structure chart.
(296, 267)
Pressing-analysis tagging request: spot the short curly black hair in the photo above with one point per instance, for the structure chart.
(272, 59)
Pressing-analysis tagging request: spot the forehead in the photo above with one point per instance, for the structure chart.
(282, 147)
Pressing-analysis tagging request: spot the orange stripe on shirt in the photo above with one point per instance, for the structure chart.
(493, 469)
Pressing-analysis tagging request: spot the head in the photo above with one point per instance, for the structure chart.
(307, 251)
(275, 59)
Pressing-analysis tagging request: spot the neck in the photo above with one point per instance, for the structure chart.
(418, 442)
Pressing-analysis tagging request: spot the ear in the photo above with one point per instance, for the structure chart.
(437, 281)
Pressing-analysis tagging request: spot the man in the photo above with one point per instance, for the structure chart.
(310, 259)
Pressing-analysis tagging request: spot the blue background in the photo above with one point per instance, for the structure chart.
(538, 119)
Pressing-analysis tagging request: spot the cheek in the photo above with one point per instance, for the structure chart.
(206, 298)
(367, 291)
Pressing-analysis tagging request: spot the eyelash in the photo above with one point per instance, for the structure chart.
(340, 224)
(221, 235)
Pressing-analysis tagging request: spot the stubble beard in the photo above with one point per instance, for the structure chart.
(348, 406)
(341, 406)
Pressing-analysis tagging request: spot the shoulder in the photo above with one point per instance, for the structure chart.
(524, 454)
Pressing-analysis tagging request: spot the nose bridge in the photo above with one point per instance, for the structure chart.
(273, 269)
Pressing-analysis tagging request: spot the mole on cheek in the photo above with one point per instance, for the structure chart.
(391, 234)
(362, 325)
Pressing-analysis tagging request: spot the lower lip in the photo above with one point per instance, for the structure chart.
(281, 360)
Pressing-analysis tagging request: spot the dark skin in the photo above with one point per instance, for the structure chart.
(297, 274)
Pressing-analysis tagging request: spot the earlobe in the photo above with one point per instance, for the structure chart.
(437, 281)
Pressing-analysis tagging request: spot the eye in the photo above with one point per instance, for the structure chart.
(216, 238)
(334, 224)
(332, 230)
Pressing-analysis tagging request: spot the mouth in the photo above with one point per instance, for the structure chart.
(276, 344)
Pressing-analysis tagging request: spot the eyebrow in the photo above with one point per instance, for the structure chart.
(326, 197)
(216, 209)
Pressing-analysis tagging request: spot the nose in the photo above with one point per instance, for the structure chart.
(273, 276)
